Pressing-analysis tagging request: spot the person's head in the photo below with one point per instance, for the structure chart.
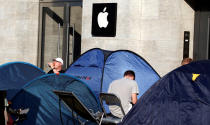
(57, 62)
(129, 74)
(186, 61)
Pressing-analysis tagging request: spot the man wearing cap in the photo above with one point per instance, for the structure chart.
(56, 66)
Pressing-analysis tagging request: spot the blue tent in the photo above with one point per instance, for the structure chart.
(98, 68)
(38, 96)
(179, 98)
(14, 75)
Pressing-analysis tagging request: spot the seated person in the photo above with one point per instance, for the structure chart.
(127, 90)
(56, 66)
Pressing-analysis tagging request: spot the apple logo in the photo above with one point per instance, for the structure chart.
(102, 19)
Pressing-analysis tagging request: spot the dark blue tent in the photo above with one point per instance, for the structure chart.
(182, 97)
(14, 75)
(38, 96)
(98, 68)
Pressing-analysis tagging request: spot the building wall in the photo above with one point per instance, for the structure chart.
(19, 30)
(152, 28)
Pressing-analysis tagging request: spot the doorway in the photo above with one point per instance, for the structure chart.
(202, 35)
(59, 32)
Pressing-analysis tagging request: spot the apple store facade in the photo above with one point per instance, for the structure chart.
(163, 32)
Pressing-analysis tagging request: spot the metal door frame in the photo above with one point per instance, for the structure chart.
(201, 46)
(66, 22)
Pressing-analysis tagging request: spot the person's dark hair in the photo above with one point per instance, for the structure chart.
(186, 61)
(129, 73)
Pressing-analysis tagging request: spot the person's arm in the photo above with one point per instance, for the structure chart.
(134, 98)
(5, 116)
(51, 65)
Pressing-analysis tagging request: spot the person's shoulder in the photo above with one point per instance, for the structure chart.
(116, 81)
(133, 82)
